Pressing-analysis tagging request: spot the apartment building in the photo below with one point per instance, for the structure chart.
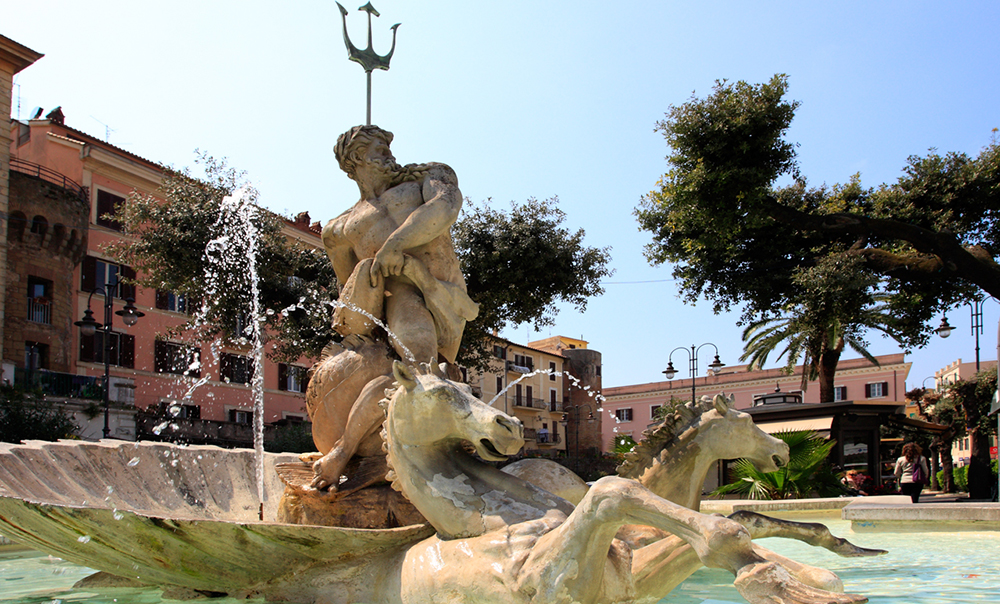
(64, 182)
(551, 386)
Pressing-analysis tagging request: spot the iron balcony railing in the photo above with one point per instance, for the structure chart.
(550, 438)
(49, 175)
(54, 383)
(40, 310)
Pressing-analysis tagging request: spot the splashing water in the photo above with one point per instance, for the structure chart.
(598, 398)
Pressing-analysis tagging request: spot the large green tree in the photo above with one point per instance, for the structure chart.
(736, 237)
(833, 307)
(168, 237)
(974, 396)
(518, 265)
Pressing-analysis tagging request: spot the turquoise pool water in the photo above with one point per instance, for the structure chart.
(920, 568)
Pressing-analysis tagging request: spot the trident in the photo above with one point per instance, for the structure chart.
(367, 58)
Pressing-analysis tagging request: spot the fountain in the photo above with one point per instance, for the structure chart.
(420, 517)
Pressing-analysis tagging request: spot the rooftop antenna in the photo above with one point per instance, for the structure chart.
(107, 129)
(367, 58)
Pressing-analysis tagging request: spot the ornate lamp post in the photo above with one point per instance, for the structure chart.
(714, 366)
(88, 327)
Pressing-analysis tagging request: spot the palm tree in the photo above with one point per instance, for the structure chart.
(807, 472)
(835, 309)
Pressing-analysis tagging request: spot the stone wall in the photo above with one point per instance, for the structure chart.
(46, 238)
(585, 365)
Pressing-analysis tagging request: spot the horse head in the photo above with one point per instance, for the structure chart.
(428, 409)
(732, 434)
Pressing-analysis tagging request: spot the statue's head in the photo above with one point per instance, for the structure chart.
(352, 145)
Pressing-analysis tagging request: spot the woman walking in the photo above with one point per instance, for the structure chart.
(911, 471)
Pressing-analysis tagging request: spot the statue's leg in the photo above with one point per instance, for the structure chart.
(410, 322)
(570, 556)
(813, 533)
(363, 422)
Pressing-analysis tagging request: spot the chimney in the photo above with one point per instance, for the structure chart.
(302, 220)
(56, 116)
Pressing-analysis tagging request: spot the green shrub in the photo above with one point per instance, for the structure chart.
(961, 476)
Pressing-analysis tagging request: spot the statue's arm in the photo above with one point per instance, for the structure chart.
(339, 249)
(442, 204)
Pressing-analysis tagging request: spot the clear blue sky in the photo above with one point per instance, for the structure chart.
(527, 99)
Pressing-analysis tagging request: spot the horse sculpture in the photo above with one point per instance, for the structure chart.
(673, 460)
(500, 539)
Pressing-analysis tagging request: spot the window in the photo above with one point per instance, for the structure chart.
(528, 395)
(121, 352)
(552, 371)
(108, 205)
(597, 371)
(623, 415)
(96, 273)
(36, 356)
(553, 400)
(499, 384)
(877, 390)
(840, 393)
(179, 410)
(170, 357)
(521, 360)
(240, 416)
(652, 411)
(292, 378)
(499, 352)
(39, 300)
(518, 399)
(173, 302)
(234, 368)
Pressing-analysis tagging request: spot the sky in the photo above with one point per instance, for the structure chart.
(528, 99)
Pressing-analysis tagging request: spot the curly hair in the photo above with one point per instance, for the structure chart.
(911, 451)
(351, 145)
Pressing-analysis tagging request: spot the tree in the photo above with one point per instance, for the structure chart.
(833, 307)
(169, 246)
(518, 265)
(807, 474)
(736, 238)
(940, 409)
(974, 397)
(24, 416)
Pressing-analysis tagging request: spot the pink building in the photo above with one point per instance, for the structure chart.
(64, 182)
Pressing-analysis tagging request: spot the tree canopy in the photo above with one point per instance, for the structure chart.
(737, 238)
(519, 264)
(170, 233)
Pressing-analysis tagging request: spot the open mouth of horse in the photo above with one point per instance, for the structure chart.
(489, 452)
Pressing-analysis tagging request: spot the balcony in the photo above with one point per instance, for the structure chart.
(49, 175)
(532, 435)
(530, 403)
(54, 383)
(40, 310)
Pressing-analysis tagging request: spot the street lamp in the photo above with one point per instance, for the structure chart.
(714, 366)
(590, 418)
(88, 327)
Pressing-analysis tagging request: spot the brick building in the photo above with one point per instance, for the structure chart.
(62, 184)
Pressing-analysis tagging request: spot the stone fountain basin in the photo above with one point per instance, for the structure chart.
(163, 514)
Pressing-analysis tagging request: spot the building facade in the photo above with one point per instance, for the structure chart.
(551, 385)
(65, 183)
(629, 409)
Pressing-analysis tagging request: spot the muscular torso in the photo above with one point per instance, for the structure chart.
(366, 227)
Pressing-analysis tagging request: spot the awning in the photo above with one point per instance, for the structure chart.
(816, 424)
(920, 424)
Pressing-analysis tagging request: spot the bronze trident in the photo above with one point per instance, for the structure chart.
(367, 58)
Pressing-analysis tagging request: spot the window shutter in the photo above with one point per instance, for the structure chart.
(232, 415)
(161, 358)
(126, 356)
(529, 394)
(225, 369)
(88, 274)
(868, 390)
(885, 388)
(194, 354)
(282, 376)
(127, 290)
(87, 346)
(161, 299)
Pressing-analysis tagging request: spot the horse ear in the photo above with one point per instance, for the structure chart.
(721, 403)
(404, 375)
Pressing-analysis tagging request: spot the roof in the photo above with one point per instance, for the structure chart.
(18, 55)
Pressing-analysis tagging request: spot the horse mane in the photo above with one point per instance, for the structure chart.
(392, 391)
(655, 439)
